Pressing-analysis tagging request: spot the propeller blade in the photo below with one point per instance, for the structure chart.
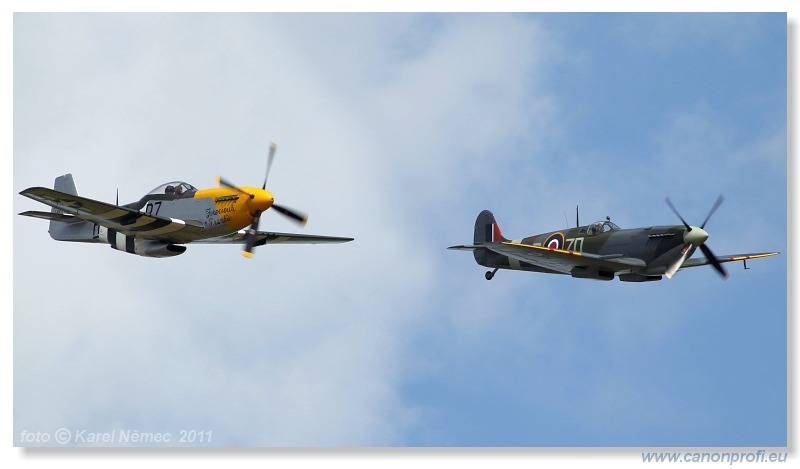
(669, 203)
(713, 209)
(713, 260)
(299, 217)
(255, 203)
(272, 148)
(698, 241)
(224, 182)
(677, 264)
(250, 237)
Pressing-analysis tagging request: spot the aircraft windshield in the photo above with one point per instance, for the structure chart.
(602, 227)
(175, 188)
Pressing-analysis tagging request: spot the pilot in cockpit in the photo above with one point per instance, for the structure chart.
(174, 191)
(596, 228)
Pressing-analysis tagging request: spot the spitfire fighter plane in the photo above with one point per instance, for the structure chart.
(170, 216)
(601, 250)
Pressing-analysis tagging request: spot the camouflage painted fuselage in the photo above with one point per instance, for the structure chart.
(657, 246)
(600, 251)
(653, 249)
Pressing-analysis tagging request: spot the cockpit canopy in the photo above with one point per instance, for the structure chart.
(176, 189)
(601, 227)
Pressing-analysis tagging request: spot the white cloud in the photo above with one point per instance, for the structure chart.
(304, 345)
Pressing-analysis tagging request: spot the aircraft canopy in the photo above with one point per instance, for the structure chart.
(174, 188)
(602, 226)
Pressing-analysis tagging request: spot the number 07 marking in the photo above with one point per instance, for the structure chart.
(148, 209)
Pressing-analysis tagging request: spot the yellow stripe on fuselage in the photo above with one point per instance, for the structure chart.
(544, 248)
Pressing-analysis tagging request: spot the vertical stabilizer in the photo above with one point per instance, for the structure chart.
(66, 185)
(486, 229)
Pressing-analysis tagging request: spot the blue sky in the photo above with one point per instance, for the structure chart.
(397, 129)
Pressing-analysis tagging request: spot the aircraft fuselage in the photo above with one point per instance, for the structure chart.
(657, 246)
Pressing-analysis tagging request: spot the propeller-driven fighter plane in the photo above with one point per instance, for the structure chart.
(170, 216)
(601, 250)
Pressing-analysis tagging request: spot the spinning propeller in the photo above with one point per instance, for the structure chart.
(694, 236)
(260, 200)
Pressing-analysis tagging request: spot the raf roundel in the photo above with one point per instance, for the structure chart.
(555, 241)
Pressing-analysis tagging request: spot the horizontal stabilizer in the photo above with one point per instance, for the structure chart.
(62, 217)
(467, 248)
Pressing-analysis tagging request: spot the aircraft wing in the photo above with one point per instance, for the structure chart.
(122, 219)
(560, 260)
(267, 237)
(729, 258)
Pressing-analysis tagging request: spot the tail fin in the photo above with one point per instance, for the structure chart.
(66, 185)
(71, 230)
(486, 229)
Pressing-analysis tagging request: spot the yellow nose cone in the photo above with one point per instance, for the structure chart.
(260, 201)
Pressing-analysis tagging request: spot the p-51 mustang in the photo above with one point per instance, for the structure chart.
(601, 250)
(168, 217)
